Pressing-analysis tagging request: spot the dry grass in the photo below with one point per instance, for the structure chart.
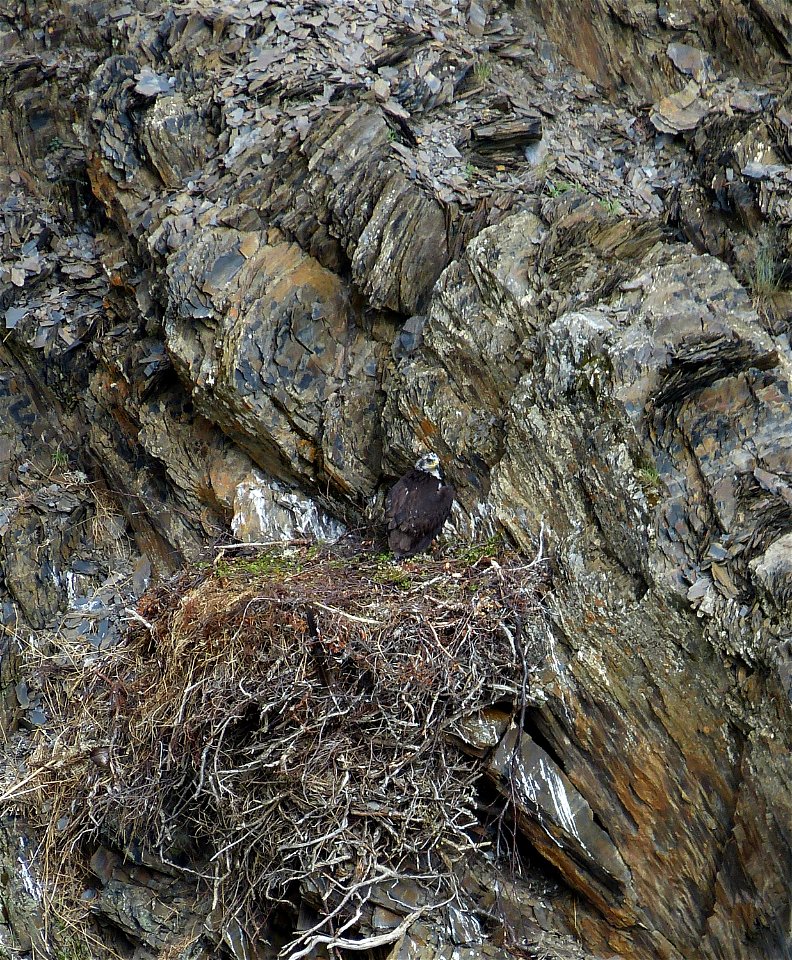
(285, 722)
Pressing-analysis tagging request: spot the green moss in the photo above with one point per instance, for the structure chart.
(474, 552)
(395, 575)
(388, 571)
(72, 947)
(271, 563)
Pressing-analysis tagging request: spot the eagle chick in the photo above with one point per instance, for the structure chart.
(417, 507)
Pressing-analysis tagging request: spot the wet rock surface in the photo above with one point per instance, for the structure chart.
(256, 256)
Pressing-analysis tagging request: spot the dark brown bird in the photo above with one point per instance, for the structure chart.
(417, 507)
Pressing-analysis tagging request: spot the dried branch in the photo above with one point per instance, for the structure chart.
(300, 752)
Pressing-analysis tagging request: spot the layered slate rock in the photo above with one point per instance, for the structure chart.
(393, 234)
(267, 339)
(257, 256)
(639, 49)
(647, 440)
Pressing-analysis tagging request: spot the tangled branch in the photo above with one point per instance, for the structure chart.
(286, 720)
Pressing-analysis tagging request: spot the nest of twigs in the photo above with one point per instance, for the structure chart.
(285, 722)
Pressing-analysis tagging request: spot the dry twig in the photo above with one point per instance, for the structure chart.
(293, 756)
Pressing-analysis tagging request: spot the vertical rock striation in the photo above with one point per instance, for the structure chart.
(255, 256)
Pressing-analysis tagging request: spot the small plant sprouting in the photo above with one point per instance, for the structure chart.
(469, 171)
(765, 277)
(60, 458)
(611, 205)
(560, 187)
(482, 71)
(648, 476)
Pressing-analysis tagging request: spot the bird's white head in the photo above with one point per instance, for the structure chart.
(430, 463)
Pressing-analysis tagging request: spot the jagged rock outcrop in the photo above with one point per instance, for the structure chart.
(257, 256)
(644, 50)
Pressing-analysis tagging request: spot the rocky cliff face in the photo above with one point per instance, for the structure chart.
(258, 256)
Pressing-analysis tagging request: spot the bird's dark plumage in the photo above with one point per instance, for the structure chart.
(417, 507)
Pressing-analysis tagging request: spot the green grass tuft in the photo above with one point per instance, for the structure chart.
(482, 71)
(559, 187)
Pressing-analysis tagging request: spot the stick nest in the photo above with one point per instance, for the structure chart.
(287, 722)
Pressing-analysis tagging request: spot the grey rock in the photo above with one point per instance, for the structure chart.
(309, 271)
(283, 371)
(267, 511)
(772, 571)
